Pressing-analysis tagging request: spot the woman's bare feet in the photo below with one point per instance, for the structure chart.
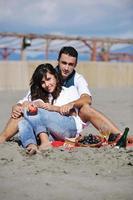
(45, 146)
(45, 143)
(31, 149)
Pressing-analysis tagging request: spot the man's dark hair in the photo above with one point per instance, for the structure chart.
(68, 50)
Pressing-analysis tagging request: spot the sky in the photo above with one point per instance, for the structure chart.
(100, 18)
(84, 18)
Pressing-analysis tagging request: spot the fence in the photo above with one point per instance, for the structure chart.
(15, 75)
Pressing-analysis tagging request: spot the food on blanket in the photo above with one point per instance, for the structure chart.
(89, 139)
(32, 110)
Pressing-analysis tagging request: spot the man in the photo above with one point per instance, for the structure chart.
(67, 61)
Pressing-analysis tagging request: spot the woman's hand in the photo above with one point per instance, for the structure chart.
(38, 103)
(48, 106)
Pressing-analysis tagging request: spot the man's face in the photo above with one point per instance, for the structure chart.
(66, 65)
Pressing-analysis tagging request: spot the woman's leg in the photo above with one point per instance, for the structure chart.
(58, 125)
(27, 136)
(44, 141)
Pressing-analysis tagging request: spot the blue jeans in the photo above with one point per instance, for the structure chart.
(26, 133)
(57, 126)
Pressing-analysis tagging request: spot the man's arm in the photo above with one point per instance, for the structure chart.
(84, 94)
(84, 99)
(82, 85)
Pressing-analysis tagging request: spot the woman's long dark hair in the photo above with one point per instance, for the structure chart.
(37, 92)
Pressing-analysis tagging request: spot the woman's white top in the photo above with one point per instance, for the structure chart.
(67, 95)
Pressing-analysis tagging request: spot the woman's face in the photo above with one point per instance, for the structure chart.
(48, 83)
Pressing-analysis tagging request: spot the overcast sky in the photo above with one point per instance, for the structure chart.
(111, 18)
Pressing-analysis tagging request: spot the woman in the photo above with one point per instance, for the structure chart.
(50, 123)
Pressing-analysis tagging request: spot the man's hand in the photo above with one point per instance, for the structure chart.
(16, 111)
(65, 109)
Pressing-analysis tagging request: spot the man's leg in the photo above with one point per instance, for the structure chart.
(10, 129)
(98, 120)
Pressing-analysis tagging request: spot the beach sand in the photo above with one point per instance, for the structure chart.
(80, 173)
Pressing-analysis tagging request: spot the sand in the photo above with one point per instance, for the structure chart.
(81, 173)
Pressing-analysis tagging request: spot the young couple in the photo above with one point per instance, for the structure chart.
(58, 106)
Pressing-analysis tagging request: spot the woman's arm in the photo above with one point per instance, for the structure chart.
(41, 104)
